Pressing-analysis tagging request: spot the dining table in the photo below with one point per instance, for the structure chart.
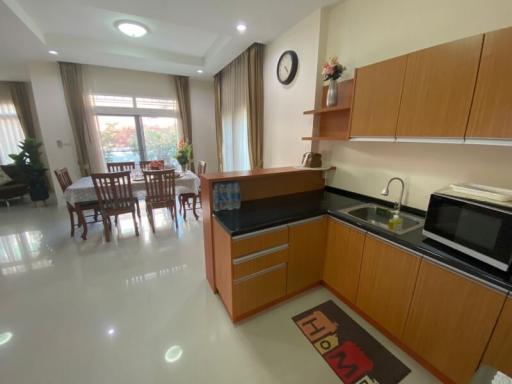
(82, 191)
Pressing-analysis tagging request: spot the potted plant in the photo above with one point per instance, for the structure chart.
(29, 163)
(184, 154)
(332, 71)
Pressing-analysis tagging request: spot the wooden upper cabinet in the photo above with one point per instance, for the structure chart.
(378, 89)
(343, 256)
(438, 89)
(491, 114)
(386, 284)
(451, 320)
(499, 350)
(306, 253)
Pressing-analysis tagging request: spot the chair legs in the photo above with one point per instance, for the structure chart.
(138, 207)
(135, 224)
(72, 221)
(151, 219)
(106, 226)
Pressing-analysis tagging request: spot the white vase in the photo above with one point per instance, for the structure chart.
(332, 93)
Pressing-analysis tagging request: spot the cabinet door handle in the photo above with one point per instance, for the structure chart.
(257, 233)
(260, 273)
(309, 220)
(255, 255)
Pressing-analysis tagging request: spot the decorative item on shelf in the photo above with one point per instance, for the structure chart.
(29, 163)
(332, 71)
(184, 154)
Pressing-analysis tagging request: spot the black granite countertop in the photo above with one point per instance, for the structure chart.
(266, 213)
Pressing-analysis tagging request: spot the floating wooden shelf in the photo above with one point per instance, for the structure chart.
(326, 110)
(332, 123)
(328, 138)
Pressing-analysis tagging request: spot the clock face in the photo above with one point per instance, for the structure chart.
(287, 67)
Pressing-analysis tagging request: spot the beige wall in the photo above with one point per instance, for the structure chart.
(53, 120)
(284, 123)
(361, 32)
(203, 123)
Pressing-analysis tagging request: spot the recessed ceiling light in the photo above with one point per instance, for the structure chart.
(173, 354)
(241, 27)
(199, 71)
(131, 28)
(53, 52)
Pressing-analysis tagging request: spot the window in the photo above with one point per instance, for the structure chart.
(11, 132)
(137, 128)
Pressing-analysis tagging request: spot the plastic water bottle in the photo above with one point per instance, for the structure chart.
(229, 196)
(236, 188)
(216, 200)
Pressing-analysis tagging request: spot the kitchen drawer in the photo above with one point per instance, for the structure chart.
(258, 289)
(255, 262)
(257, 241)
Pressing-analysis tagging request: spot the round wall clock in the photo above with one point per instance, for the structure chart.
(287, 67)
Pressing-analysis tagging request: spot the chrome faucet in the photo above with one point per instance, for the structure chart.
(385, 192)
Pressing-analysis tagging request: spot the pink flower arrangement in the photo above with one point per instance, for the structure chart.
(332, 69)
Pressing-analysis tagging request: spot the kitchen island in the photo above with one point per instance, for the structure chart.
(439, 305)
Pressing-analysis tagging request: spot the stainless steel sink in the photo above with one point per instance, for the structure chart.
(379, 216)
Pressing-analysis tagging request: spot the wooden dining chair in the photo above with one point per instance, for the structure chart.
(160, 193)
(184, 198)
(65, 181)
(121, 166)
(146, 164)
(115, 197)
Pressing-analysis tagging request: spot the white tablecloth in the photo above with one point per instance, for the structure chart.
(83, 189)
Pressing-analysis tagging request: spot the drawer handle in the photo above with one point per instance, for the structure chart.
(255, 255)
(261, 232)
(260, 273)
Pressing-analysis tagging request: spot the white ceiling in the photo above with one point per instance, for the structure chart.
(185, 35)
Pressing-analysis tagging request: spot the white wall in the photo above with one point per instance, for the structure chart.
(284, 123)
(53, 120)
(361, 32)
(202, 102)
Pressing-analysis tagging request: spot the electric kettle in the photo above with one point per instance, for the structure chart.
(312, 160)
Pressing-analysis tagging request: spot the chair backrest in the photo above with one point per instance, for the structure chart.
(160, 185)
(114, 192)
(121, 166)
(63, 178)
(201, 167)
(146, 165)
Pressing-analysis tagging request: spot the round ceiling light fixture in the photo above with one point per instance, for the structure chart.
(131, 28)
(199, 71)
(241, 27)
(53, 52)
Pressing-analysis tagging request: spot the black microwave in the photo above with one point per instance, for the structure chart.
(478, 229)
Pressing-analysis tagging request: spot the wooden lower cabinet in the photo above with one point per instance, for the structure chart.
(343, 256)
(499, 350)
(386, 284)
(306, 253)
(451, 320)
(258, 289)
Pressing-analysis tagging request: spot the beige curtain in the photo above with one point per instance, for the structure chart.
(183, 94)
(21, 98)
(218, 117)
(255, 105)
(85, 132)
(239, 111)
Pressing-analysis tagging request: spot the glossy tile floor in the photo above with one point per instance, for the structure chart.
(138, 310)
